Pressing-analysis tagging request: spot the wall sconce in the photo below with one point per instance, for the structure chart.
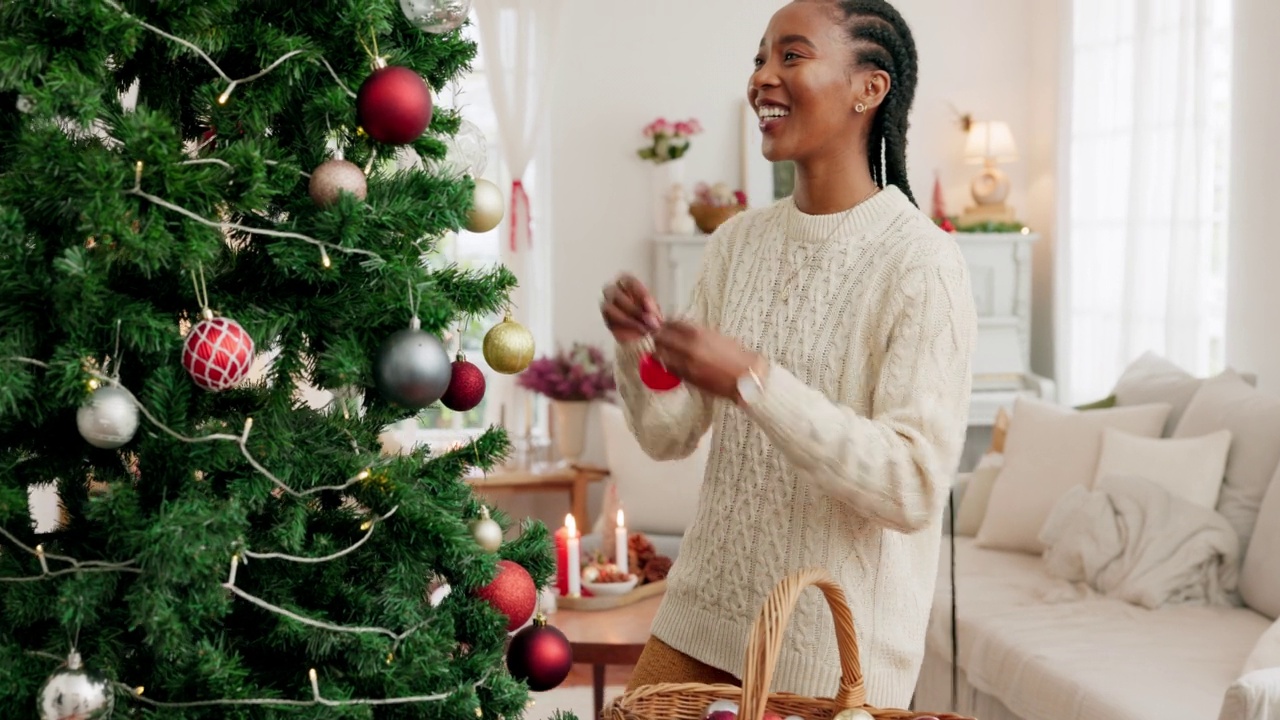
(990, 143)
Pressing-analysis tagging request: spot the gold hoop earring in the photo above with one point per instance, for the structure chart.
(860, 108)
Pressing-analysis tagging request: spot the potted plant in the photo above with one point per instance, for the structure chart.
(667, 144)
(571, 380)
(714, 204)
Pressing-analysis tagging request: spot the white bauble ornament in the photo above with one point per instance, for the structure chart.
(854, 714)
(467, 151)
(721, 706)
(487, 532)
(109, 418)
(436, 16)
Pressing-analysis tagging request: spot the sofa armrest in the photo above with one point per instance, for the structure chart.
(957, 489)
(1254, 696)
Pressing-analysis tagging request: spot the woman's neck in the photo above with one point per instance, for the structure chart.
(833, 184)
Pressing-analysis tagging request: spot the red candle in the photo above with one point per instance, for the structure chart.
(562, 561)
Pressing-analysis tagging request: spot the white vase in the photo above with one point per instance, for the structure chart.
(569, 428)
(665, 175)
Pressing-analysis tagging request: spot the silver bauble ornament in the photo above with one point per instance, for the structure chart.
(467, 151)
(108, 418)
(436, 16)
(486, 531)
(332, 178)
(508, 347)
(74, 693)
(413, 368)
(487, 206)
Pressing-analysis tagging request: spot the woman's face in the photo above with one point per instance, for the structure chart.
(802, 89)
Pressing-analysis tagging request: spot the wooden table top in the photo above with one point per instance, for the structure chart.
(608, 637)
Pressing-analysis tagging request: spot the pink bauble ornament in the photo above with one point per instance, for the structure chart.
(722, 715)
(217, 353)
(394, 105)
(655, 376)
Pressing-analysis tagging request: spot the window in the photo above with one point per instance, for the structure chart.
(1145, 222)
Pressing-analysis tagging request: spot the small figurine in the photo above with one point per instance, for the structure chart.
(679, 220)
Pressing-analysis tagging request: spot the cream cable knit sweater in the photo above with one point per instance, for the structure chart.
(846, 460)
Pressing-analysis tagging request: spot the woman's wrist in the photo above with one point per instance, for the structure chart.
(751, 383)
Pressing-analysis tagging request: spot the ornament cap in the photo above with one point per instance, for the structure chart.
(484, 512)
(206, 313)
(415, 323)
(539, 620)
(73, 660)
(460, 357)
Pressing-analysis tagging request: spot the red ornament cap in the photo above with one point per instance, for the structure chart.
(655, 376)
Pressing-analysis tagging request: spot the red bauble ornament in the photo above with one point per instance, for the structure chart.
(540, 655)
(655, 376)
(394, 105)
(217, 353)
(466, 386)
(511, 593)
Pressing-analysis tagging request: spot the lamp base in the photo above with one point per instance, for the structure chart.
(979, 214)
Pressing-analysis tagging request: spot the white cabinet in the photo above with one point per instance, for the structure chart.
(1000, 273)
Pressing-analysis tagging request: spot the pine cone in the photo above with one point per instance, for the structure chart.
(641, 552)
(657, 569)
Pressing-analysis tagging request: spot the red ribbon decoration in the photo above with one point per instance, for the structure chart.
(520, 198)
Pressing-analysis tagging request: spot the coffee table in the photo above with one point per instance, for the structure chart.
(607, 637)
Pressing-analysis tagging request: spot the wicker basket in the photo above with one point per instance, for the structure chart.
(689, 701)
(710, 217)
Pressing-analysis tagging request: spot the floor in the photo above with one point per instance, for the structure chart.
(574, 694)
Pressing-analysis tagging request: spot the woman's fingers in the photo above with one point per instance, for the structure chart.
(616, 319)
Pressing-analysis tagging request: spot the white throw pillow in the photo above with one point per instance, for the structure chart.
(1189, 468)
(1266, 652)
(1154, 379)
(973, 506)
(659, 498)
(1253, 417)
(1051, 449)
(1260, 574)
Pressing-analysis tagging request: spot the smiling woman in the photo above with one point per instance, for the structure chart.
(827, 346)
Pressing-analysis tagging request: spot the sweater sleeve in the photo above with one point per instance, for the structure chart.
(669, 424)
(894, 467)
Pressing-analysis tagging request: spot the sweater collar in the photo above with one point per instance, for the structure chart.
(804, 228)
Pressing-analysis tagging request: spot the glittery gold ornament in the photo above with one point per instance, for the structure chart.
(486, 208)
(508, 347)
(332, 178)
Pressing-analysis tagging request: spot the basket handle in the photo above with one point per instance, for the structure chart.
(766, 642)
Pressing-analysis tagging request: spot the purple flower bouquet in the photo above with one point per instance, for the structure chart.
(581, 374)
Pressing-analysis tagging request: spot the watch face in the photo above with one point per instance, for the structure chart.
(748, 390)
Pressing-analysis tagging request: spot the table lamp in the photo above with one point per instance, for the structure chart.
(990, 143)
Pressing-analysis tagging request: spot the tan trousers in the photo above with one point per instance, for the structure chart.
(660, 663)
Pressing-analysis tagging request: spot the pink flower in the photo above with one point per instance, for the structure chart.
(741, 197)
(683, 128)
(694, 126)
(661, 126)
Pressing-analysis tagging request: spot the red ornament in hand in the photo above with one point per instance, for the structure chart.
(511, 593)
(655, 376)
(217, 353)
(466, 386)
(394, 105)
(540, 655)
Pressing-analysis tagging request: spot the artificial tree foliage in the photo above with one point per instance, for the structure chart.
(95, 278)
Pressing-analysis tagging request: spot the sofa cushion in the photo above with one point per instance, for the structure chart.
(1154, 379)
(1190, 468)
(1051, 449)
(1047, 650)
(1260, 575)
(1253, 417)
(973, 504)
(1266, 652)
(659, 498)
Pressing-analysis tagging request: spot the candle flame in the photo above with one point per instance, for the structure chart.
(571, 525)
(621, 521)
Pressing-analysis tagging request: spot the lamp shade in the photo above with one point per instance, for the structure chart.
(990, 140)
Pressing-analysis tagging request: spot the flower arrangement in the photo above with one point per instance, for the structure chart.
(718, 195)
(668, 141)
(581, 374)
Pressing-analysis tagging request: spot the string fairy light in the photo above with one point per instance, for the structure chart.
(221, 225)
(77, 566)
(232, 83)
(367, 527)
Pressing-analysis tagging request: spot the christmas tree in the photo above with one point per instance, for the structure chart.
(185, 186)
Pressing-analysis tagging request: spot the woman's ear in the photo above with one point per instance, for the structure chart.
(874, 87)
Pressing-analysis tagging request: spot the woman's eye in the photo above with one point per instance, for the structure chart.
(758, 61)
(790, 56)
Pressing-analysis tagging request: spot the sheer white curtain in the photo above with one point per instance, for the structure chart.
(1144, 252)
(518, 40)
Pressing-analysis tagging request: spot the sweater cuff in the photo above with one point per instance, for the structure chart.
(784, 402)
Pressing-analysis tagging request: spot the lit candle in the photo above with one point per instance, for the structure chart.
(621, 550)
(575, 557)
(562, 561)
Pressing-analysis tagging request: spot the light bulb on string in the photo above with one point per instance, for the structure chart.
(324, 259)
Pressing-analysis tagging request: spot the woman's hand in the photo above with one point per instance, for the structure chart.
(629, 310)
(704, 358)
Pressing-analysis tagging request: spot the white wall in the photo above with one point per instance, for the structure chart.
(1253, 295)
(994, 58)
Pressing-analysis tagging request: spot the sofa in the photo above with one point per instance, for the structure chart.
(1119, 561)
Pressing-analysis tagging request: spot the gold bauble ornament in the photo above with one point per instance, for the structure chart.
(508, 347)
(335, 177)
(486, 208)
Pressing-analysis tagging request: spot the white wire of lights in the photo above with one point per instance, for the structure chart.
(77, 566)
(231, 83)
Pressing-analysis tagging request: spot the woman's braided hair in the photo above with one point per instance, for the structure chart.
(882, 39)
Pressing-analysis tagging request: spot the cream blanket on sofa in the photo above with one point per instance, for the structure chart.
(1130, 539)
